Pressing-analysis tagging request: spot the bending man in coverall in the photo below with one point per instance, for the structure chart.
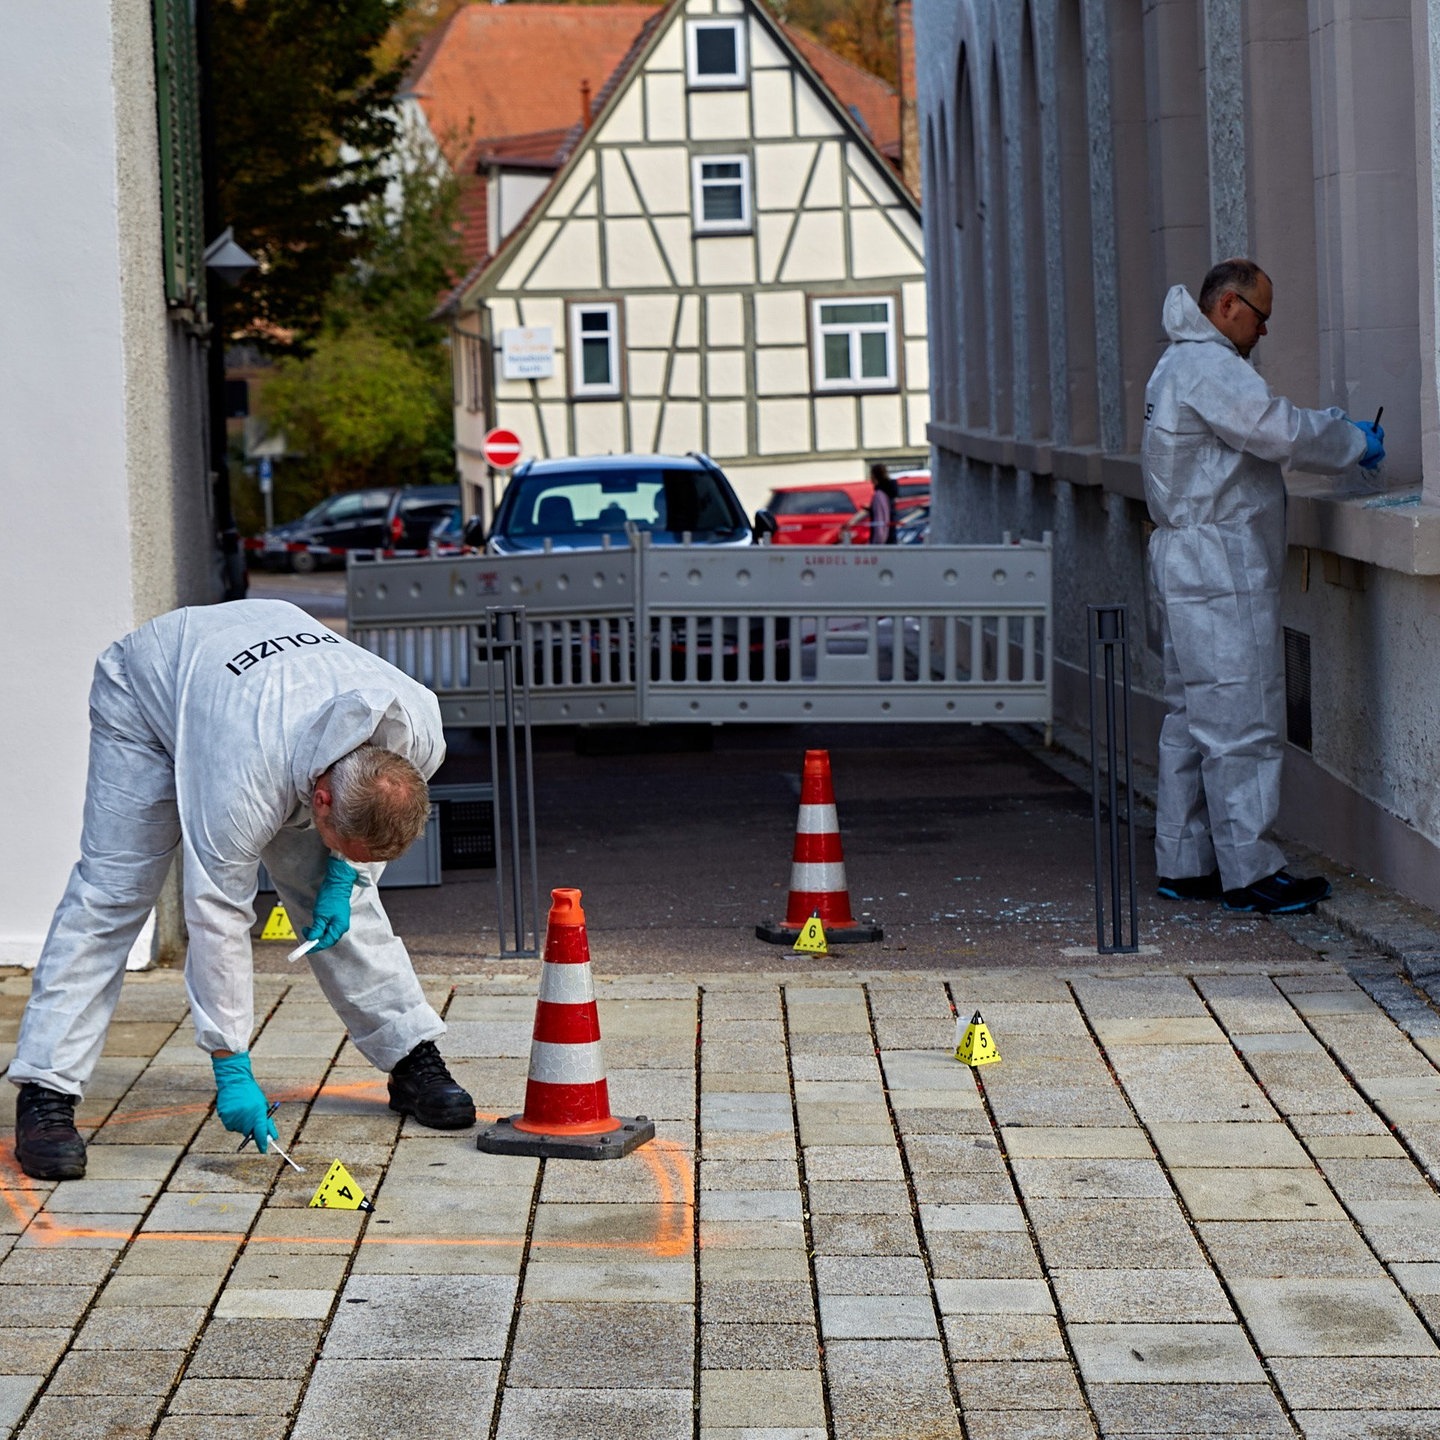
(238, 733)
(1215, 439)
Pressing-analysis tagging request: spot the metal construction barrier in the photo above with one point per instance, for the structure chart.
(651, 634)
(512, 765)
(1109, 644)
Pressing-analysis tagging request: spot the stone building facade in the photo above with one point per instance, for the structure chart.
(1082, 156)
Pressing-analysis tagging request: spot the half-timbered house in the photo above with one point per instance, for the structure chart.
(723, 261)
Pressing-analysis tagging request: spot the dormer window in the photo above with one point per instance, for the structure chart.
(715, 53)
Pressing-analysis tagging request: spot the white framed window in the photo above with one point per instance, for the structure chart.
(595, 349)
(722, 192)
(715, 52)
(854, 339)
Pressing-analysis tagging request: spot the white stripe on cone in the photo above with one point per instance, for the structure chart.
(553, 1064)
(812, 876)
(818, 820)
(566, 984)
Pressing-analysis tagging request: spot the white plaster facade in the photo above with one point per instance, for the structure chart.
(716, 327)
(101, 405)
(1080, 157)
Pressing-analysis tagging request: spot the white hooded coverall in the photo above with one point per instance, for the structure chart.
(1215, 439)
(208, 729)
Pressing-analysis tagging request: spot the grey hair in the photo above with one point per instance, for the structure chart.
(1237, 274)
(379, 799)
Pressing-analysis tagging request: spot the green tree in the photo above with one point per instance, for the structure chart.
(370, 404)
(304, 123)
(359, 409)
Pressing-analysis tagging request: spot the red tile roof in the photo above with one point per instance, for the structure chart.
(495, 71)
(501, 85)
(856, 89)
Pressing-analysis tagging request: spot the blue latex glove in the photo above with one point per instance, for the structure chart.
(240, 1102)
(1374, 443)
(332, 904)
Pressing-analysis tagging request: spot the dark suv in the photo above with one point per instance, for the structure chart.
(370, 522)
(415, 512)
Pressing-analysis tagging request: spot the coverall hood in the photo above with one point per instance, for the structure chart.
(1184, 320)
(356, 717)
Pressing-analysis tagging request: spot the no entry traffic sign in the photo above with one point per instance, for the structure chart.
(501, 448)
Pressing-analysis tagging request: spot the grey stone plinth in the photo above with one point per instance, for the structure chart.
(1215, 1408)
(877, 1317)
(749, 1399)
(560, 1344)
(1075, 1142)
(1274, 1248)
(1011, 1338)
(1346, 1317)
(1036, 1385)
(753, 1346)
(1256, 1195)
(1164, 1354)
(1232, 1146)
(360, 1399)
(1128, 1296)
(994, 1297)
(429, 1317)
(245, 1349)
(1077, 1235)
(1371, 1382)
(605, 1278)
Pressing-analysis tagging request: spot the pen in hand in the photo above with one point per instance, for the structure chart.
(269, 1115)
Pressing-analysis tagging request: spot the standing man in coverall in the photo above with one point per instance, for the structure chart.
(1215, 441)
(238, 733)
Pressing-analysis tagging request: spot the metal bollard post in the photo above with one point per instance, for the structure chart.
(503, 646)
(1107, 628)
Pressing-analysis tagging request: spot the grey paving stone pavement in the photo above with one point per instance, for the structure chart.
(1190, 1200)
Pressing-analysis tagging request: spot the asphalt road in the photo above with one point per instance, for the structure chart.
(965, 844)
(321, 594)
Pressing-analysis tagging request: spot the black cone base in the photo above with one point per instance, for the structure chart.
(502, 1138)
(848, 935)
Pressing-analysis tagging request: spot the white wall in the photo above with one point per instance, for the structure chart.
(97, 411)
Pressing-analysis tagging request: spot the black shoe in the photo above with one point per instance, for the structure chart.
(421, 1086)
(47, 1144)
(1191, 887)
(1279, 894)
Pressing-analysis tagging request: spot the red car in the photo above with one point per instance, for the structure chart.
(815, 514)
(914, 487)
(838, 513)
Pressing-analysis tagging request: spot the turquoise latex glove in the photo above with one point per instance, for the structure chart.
(240, 1102)
(332, 904)
(1374, 443)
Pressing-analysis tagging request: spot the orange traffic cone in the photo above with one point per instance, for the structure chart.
(567, 1100)
(817, 874)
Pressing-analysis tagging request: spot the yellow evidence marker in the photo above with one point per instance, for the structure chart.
(976, 1047)
(278, 926)
(811, 939)
(339, 1191)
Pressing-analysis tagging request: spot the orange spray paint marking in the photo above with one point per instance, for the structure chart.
(667, 1161)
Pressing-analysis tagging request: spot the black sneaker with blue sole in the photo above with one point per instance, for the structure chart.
(1280, 894)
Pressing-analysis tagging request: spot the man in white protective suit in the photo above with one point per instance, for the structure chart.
(239, 733)
(1215, 441)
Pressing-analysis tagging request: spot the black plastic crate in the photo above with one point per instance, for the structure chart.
(467, 826)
